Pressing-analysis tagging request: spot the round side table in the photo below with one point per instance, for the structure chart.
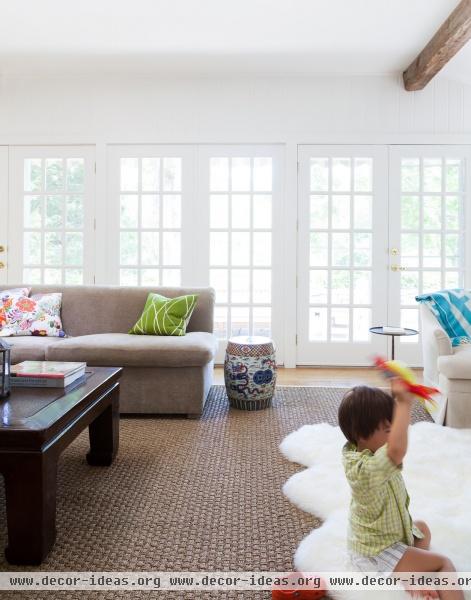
(379, 331)
(250, 372)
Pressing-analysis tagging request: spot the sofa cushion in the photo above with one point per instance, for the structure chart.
(195, 349)
(38, 315)
(165, 316)
(7, 299)
(30, 347)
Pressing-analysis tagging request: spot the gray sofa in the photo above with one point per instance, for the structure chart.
(162, 375)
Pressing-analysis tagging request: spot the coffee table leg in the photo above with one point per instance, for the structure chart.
(104, 434)
(30, 489)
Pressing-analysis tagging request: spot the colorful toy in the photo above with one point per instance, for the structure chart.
(302, 593)
(396, 368)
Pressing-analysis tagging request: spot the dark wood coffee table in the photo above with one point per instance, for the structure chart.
(36, 425)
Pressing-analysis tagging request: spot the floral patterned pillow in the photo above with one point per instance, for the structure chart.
(6, 299)
(38, 315)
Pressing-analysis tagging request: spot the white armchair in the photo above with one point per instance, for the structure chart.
(447, 368)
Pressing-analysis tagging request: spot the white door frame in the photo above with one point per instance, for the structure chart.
(4, 212)
(277, 153)
(342, 353)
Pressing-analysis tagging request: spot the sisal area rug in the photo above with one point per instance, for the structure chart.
(437, 471)
(185, 495)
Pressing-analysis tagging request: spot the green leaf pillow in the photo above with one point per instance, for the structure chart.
(165, 316)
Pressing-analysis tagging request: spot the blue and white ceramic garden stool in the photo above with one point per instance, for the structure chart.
(250, 372)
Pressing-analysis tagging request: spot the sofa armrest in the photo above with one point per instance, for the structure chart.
(457, 366)
(435, 343)
(432, 333)
(443, 342)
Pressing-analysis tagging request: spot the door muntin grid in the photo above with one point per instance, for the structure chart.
(53, 219)
(431, 242)
(150, 220)
(240, 248)
(340, 248)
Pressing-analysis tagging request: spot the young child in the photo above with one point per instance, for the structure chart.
(382, 536)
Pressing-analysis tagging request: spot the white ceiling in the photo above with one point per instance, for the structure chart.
(220, 36)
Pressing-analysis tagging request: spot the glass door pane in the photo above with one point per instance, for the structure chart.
(240, 256)
(150, 203)
(52, 211)
(152, 236)
(242, 190)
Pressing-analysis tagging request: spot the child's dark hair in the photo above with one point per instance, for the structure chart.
(362, 411)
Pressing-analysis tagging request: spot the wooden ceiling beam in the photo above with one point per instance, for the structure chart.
(451, 37)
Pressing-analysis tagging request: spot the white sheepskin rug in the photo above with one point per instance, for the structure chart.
(437, 472)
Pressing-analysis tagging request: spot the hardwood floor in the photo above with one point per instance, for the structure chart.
(324, 376)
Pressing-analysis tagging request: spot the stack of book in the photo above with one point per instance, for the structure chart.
(47, 373)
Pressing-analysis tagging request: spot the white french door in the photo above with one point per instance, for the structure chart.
(342, 231)
(428, 219)
(367, 248)
(51, 236)
(198, 215)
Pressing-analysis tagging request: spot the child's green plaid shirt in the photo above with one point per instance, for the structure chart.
(379, 508)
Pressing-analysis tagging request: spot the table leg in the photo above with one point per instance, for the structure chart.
(30, 490)
(104, 434)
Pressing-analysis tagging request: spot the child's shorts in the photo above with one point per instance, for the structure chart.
(384, 562)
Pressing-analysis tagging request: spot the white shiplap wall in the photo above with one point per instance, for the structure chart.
(300, 110)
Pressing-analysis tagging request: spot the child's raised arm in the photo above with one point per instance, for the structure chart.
(397, 443)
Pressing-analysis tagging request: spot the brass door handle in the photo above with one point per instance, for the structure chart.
(2, 248)
(398, 268)
(2, 265)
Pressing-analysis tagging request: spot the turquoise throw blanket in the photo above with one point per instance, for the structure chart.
(452, 308)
